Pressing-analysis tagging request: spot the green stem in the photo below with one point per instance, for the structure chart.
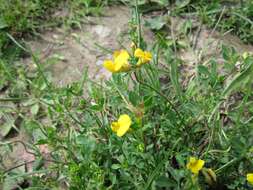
(13, 99)
(165, 97)
(138, 22)
(226, 165)
(36, 60)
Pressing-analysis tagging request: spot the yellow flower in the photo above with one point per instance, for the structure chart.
(109, 65)
(120, 62)
(144, 56)
(121, 126)
(195, 165)
(250, 178)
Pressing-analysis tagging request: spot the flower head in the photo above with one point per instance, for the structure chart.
(250, 178)
(144, 56)
(195, 165)
(120, 62)
(121, 126)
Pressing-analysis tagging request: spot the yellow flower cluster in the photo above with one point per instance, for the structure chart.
(120, 62)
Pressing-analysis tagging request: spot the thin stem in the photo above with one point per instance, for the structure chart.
(13, 99)
(22, 143)
(220, 17)
(165, 97)
(138, 22)
(36, 60)
(17, 166)
(29, 162)
(227, 164)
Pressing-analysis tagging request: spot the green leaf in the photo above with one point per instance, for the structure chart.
(148, 101)
(38, 164)
(133, 97)
(164, 182)
(116, 166)
(12, 183)
(182, 3)
(6, 127)
(203, 70)
(174, 75)
(153, 175)
(156, 23)
(3, 24)
(240, 79)
(35, 109)
(96, 107)
(225, 52)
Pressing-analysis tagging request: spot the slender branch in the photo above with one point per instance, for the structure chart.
(13, 99)
(29, 162)
(165, 97)
(227, 164)
(36, 60)
(23, 144)
(17, 166)
(138, 22)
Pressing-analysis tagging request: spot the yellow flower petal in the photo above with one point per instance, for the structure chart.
(144, 56)
(147, 56)
(250, 178)
(124, 124)
(121, 60)
(124, 120)
(195, 165)
(138, 53)
(116, 54)
(115, 126)
(109, 65)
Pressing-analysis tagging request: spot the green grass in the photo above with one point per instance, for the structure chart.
(27, 18)
(210, 118)
(236, 16)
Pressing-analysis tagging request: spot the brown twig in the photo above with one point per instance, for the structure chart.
(29, 162)
(24, 145)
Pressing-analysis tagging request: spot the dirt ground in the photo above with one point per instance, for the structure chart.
(67, 54)
(75, 50)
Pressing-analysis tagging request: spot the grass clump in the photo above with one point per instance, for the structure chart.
(19, 18)
(23, 18)
(233, 16)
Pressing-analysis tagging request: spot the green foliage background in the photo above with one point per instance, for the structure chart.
(210, 118)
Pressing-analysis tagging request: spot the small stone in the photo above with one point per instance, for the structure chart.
(102, 31)
(99, 62)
